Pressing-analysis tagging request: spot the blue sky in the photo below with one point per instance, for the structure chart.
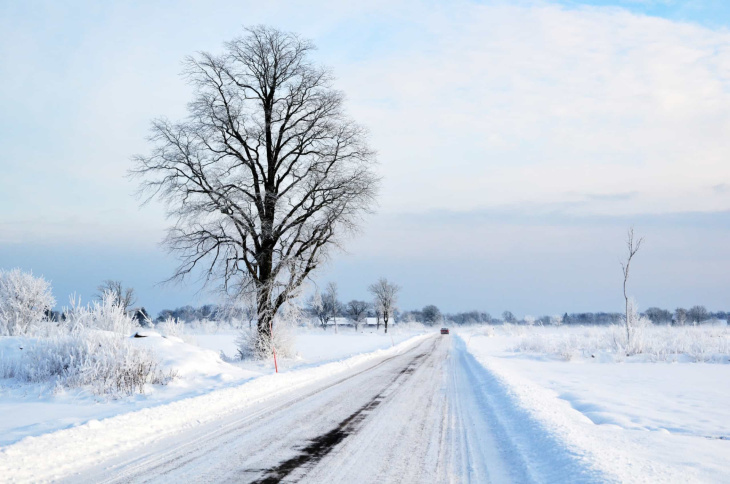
(517, 141)
(711, 13)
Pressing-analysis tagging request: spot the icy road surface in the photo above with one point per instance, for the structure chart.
(431, 414)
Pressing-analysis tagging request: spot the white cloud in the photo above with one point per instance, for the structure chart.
(497, 104)
(470, 105)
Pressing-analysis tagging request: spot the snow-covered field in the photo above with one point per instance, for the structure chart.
(32, 409)
(525, 403)
(639, 418)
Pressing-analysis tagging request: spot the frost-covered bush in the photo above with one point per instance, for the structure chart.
(175, 328)
(106, 315)
(252, 346)
(106, 363)
(24, 300)
(171, 327)
(87, 349)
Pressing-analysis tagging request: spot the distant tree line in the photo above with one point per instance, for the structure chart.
(431, 315)
(681, 316)
(187, 314)
(355, 311)
(325, 307)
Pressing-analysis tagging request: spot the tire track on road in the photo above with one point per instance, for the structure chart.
(323, 444)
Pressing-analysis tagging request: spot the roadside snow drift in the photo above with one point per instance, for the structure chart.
(74, 448)
(633, 421)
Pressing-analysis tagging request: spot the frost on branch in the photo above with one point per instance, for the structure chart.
(106, 314)
(104, 362)
(24, 300)
(89, 348)
(252, 346)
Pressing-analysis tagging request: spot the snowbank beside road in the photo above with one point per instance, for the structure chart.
(313, 346)
(46, 405)
(32, 409)
(74, 448)
(637, 422)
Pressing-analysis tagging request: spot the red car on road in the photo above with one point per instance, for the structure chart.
(444, 330)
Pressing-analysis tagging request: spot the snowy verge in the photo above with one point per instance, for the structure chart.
(72, 449)
(49, 384)
(618, 453)
(698, 344)
(313, 346)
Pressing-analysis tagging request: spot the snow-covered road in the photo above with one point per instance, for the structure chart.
(430, 414)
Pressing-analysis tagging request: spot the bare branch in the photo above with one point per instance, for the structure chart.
(633, 247)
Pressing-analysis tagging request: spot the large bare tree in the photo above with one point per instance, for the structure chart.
(265, 173)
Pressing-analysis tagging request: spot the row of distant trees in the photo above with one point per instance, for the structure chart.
(678, 317)
(326, 307)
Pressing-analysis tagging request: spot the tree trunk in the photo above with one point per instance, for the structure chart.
(266, 265)
(263, 301)
(628, 322)
(264, 340)
(385, 321)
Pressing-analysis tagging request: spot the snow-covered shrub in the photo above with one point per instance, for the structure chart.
(210, 326)
(513, 329)
(106, 315)
(175, 328)
(24, 300)
(567, 347)
(252, 346)
(106, 363)
(171, 327)
(635, 326)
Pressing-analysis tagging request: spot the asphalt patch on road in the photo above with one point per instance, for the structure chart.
(323, 444)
